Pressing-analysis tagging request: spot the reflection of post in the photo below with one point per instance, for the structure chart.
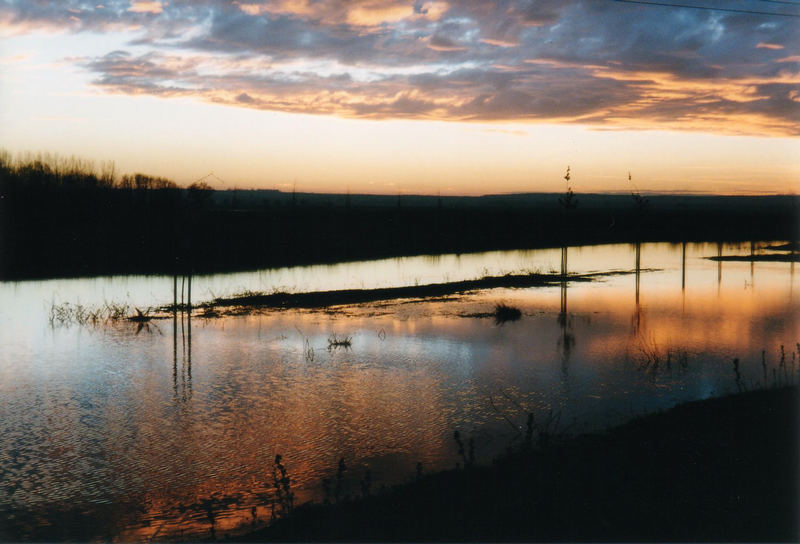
(175, 345)
(186, 335)
(175, 333)
(683, 276)
(752, 261)
(683, 266)
(183, 357)
(638, 264)
(562, 317)
(566, 341)
(719, 264)
(186, 364)
(564, 273)
(189, 349)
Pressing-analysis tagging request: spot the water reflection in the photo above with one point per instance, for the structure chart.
(98, 415)
(185, 392)
(567, 339)
(184, 310)
(683, 267)
(636, 320)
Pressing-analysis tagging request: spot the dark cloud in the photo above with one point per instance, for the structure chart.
(590, 61)
(245, 98)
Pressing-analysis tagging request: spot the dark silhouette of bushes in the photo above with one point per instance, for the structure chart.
(145, 182)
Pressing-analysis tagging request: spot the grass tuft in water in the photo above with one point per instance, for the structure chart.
(504, 313)
(653, 357)
(339, 342)
(68, 313)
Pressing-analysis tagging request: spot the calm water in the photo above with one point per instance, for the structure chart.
(138, 433)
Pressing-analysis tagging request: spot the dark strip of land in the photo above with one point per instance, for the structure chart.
(790, 246)
(724, 469)
(764, 257)
(322, 299)
(57, 225)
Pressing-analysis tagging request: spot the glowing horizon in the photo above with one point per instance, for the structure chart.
(389, 97)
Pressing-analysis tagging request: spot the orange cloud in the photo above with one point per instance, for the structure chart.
(552, 63)
(437, 47)
(657, 89)
(250, 9)
(390, 11)
(635, 100)
(762, 45)
(294, 7)
(146, 6)
(366, 14)
(370, 15)
(499, 43)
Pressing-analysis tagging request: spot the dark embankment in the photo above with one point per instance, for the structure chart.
(718, 470)
(67, 222)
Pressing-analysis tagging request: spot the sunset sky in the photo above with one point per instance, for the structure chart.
(384, 96)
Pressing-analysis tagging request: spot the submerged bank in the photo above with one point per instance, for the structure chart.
(247, 302)
(250, 302)
(723, 469)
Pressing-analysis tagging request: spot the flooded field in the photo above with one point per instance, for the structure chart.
(169, 428)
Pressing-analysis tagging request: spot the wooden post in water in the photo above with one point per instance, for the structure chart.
(719, 264)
